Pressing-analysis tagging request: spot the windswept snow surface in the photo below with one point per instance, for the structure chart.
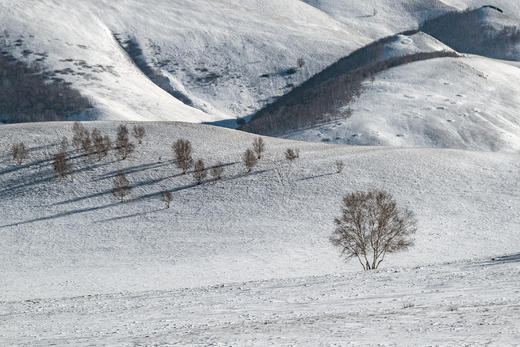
(247, 260)
(464, 304)
(467, 103)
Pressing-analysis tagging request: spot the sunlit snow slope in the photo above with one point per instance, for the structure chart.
(75, 238)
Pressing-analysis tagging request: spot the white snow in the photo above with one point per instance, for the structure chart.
(443, 102)
(247, 260)
(64, 241)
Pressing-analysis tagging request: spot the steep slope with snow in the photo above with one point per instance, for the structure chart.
(211, 60)
(214, 53)
(74, 238)
(486, 31)
(456, 103)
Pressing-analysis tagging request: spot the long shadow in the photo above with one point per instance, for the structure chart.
(109, 191)
(317, 176)
(135, 185)
(37, 163)
(513, 258)
(132, 169)
(35, 178)
(97, 208)
(129, 216)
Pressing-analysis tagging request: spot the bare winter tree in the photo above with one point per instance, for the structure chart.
(259, 147)
(123, 145)
(61, 165)
(121, 186)
(78, 132)
(249, 159)
(86, 144)
(139, 133)
(183, 154)
(292, 154)
(64, 144)
(199, 171)
(167, 198)
(340, 165)
(19, 152)
(217, 171)
(372, 225)
(102, 144)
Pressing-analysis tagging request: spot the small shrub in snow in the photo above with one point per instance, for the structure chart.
(408, 304)
(167, 198)
(292, 154)
(371, 226)
(249, 159)
(123, 145)
(139, 133)
(199, 172)
(19, 153)
(340, 165)
(121, 186)
(182, 151)
(259, 147)
(300, 62)
(217, 171)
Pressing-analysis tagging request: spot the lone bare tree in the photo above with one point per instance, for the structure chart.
(372, 225)
(139, 133)
(61, 165)
(259, 147)
(167, 198)
(123, 145)
(182, 151)
(19, 153)
(249, 159)
(292, 154)
(217, 171)
(199, 171)
(121, 186)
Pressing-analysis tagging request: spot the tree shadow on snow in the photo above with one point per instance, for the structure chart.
(513, 258)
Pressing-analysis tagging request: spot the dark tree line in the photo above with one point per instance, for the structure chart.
(319, 99)
(27, 94)
(467, 32)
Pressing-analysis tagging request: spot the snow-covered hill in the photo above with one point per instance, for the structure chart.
(466, 102)
(228, 57)
(66, 246)
(75, 238)
(217, 53)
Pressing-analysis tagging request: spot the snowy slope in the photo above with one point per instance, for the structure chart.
(213, 52)
(75, 238)
(468, 303)
(227, 57)
(456, 103)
